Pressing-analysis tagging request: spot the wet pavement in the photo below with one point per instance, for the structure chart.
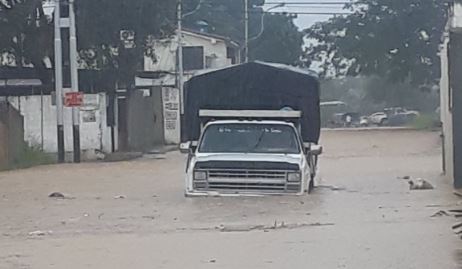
(134, 214)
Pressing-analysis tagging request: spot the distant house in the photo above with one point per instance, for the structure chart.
(201, 51)
(451, 95)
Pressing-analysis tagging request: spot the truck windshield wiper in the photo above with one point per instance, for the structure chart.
(260, 138)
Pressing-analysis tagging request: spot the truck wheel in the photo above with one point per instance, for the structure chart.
(311, 185)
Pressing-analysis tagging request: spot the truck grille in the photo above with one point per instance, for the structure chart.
(249, 174)
(246, 180)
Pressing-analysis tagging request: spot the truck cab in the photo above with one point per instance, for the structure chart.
(250, 153)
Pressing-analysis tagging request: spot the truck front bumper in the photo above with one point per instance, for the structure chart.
(244, 190)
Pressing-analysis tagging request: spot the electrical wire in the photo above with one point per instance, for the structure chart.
(311, 3)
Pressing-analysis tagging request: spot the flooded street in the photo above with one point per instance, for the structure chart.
(134, 214)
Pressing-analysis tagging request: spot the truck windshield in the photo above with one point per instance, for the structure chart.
(250, 138)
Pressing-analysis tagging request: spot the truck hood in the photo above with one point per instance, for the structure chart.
(251, 157)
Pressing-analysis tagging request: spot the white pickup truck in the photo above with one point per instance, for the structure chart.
(250, 152)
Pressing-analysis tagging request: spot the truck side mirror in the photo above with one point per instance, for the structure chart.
(313, 149)
(185, 147)
(188, 147)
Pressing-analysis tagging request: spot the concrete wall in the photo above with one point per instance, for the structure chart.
(40, 123)
(11, 135)
(446, 113)
(455, 85)
(4, 160)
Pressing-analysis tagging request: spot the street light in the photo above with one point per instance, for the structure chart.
(265, 12)
(180, 17)
(246, 27)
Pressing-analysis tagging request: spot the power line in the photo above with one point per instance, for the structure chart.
(310, 3)
(314, 6)
(303, 13)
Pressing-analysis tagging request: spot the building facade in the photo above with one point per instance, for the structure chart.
(451, 95)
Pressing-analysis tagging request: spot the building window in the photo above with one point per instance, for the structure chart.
(210, 61)
(193, 58)
(231, 54)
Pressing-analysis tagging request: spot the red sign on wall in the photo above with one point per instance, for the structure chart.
(73, 99)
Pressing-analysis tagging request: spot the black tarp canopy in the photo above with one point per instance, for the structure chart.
(253, 86)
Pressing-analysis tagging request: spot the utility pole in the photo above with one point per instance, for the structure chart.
(60, 23)
(74, 80)
(180, 17)
(180, 55)
(246, 30)
(59, 81)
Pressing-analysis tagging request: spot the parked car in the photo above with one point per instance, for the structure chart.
(398, 116)
(364, 121)
(379, 118)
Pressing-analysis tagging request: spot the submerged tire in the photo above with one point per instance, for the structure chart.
(311, 186)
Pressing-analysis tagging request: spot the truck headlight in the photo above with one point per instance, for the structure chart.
(200, 175)
(294, 177)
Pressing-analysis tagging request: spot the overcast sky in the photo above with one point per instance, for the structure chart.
(305, 21)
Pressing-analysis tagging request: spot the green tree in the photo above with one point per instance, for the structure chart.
(25, 33)
(28, 35)
(100, 24)
(394, 39)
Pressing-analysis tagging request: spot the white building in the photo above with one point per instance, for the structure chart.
(446, 113)
(201, 51)
(451, 94)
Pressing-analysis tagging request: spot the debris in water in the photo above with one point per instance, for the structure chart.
(59, 195)
(40, 233)
(434, 206)
(240, 228)
(440, 213)
(332, 188)
(420, 184)
(275, 226)
(457, 226)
